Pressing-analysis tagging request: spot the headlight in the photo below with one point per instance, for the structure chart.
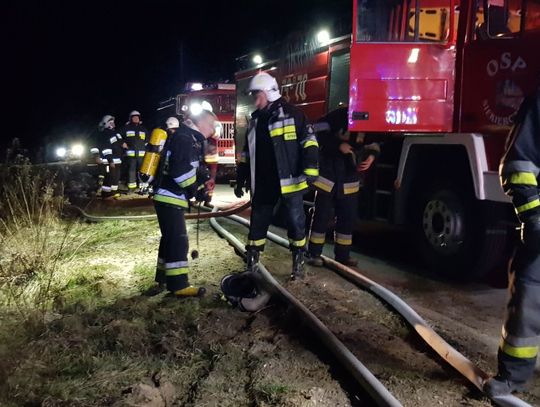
(196, 109)
(77, 150)
(61, 152)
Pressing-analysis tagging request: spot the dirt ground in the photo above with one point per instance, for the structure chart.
(107, 345)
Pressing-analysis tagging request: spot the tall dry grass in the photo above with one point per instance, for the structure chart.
(33, 239)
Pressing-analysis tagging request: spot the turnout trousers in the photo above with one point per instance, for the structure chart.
(110, 180)
(262, 211)
(133, 166)
(328, 207)
(172, 263)
(518, 349)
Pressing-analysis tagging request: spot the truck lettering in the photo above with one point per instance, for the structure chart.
(504, 63)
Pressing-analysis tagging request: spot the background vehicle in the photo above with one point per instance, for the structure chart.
(218, 97)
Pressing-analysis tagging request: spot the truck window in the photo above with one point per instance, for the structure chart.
(532, 17)
(498, 19)
(403, 20)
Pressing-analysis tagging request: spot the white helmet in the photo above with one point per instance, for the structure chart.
(134, 113)
(106, 122)
(267, 84)
(172, 123)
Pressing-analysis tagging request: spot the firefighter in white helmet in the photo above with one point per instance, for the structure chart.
(134, 134)
(181, 175)
(108, 155)
(278, 161)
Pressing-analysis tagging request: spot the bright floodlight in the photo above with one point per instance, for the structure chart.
(196, 109)
(206, 106)
(77, 150)
(61, 152)
(257, 59)
(323, 37)
(196, 86)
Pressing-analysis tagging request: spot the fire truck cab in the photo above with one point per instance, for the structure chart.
(220, 98)
(436, 83)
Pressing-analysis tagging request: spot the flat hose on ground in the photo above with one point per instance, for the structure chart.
(367, 380)
(455, 359)
(226, 212)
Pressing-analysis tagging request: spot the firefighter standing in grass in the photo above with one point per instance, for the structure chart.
(520, 170)
(134, 134)
(342, 160)
(108, 155)
(181, 175)
(279, 159)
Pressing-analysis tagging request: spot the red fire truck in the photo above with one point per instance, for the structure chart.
(437, 83)
(217, 97)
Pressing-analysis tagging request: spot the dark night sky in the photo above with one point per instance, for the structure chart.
(70, 62)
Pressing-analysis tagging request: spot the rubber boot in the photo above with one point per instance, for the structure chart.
(498, 386)
(252, 258)
(155, 290)
(190, 292)
(298, 265)
(314, 260)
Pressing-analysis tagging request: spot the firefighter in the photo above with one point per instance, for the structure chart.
(107, 155)
(279, 160)
(181, 175)
(134, 134)
(342, 159)
(520, 169)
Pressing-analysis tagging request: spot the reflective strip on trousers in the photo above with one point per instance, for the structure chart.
(522, 178)
(142, 153)
(520, 352)
(176, 271)
(298, 243)
(312, 172)
(344, 240)
(528, 206)
(132, 185)
(317, 238)
(130, 153)
(351, 187)
(260, 242)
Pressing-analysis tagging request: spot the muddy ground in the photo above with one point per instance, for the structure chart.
(106, 344)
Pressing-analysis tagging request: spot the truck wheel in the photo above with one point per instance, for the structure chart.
(456, 237)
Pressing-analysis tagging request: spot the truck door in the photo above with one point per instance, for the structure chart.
(500, 66)
(402, 66)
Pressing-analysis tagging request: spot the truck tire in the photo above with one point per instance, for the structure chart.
(457, 236)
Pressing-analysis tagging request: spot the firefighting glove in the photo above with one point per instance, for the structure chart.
(202, 194)
(238, 190)
(530, 233)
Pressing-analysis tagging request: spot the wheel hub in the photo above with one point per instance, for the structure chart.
(443, 226)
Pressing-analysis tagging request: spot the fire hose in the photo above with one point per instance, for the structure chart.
(454, 358)
(232, 210)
